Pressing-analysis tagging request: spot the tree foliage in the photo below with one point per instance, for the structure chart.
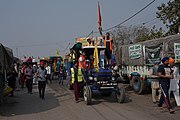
(127, 35)
(170, 15)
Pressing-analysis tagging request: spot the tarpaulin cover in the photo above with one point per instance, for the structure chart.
(122, 55)
(6, 57)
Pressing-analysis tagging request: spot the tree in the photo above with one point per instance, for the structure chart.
(127, 35)
(170, 15)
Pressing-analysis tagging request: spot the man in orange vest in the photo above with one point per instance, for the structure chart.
(82, 65)
(108, 42)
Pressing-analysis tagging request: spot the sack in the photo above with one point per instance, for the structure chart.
(7, 90)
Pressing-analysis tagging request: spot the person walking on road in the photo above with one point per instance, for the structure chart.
(164, 73)
(41, 77)
(48, 69)
(29, 78)
(61, 73)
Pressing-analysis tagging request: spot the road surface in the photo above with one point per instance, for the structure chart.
(59, 104)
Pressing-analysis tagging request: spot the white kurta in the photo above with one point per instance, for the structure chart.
(174, 85)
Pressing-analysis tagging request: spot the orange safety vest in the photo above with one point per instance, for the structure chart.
(111, 45)
(82, 64)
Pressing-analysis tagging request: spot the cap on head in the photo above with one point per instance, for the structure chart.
(165, 59)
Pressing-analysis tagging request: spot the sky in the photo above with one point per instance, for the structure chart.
(40, 27)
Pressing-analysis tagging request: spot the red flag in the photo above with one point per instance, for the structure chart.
(99, 17)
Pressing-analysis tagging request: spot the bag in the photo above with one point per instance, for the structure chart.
(7, 90)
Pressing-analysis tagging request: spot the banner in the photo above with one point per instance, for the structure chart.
(153, 54)
(135, 51)
(177, 52)
(83, 41)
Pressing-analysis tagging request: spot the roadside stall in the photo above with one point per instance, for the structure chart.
(6, 63)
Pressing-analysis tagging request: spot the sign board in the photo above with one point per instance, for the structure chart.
(177, 52)
(135, 51)
(90, 41)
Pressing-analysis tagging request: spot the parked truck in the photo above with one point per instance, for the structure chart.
(135, 60)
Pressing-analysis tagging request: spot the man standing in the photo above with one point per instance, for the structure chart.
(77, 80)
(174, 83)
(108, 43)
(29, 78)
(41, 77)
(155, 82)
(82, 65)
(48, 69)
(164, 73)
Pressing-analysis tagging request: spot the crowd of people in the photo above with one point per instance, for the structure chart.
(165, 83)
(28, 72)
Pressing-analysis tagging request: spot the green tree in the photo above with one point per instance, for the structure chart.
(170, 15)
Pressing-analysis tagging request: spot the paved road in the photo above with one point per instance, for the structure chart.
(59, 105)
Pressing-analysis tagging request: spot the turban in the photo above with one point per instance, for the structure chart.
(171, 60)
(165, 59)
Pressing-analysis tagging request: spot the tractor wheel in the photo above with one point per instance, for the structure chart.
(87, 95)
(120, 94)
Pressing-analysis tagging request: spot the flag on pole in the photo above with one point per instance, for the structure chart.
(96, 57)
(57, 52)
(99, 17)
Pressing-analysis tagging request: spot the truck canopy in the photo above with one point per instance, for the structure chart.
(148, 52)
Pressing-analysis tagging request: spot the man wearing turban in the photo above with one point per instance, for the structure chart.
(164, 73)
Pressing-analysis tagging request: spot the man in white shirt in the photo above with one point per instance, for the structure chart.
(48, 69)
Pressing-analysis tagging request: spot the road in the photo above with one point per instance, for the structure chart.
(59, 104)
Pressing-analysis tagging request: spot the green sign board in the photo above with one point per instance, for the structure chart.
(177, 51)
(135, 51)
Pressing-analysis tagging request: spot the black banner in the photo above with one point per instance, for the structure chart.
(153, 54)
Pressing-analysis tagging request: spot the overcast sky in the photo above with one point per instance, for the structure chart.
(39, 27)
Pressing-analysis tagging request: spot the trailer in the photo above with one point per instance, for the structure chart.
(135, 60)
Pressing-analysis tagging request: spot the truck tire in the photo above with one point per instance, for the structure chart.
(87, 94)
(120, 94)
(138, 85)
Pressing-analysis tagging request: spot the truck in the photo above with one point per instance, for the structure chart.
(135, 60)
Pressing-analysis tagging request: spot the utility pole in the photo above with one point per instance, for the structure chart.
(17, 51)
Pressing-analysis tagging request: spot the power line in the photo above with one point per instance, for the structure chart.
(147, 22)
(129, 17)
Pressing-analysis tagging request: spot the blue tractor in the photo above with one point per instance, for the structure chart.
(101, 80)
